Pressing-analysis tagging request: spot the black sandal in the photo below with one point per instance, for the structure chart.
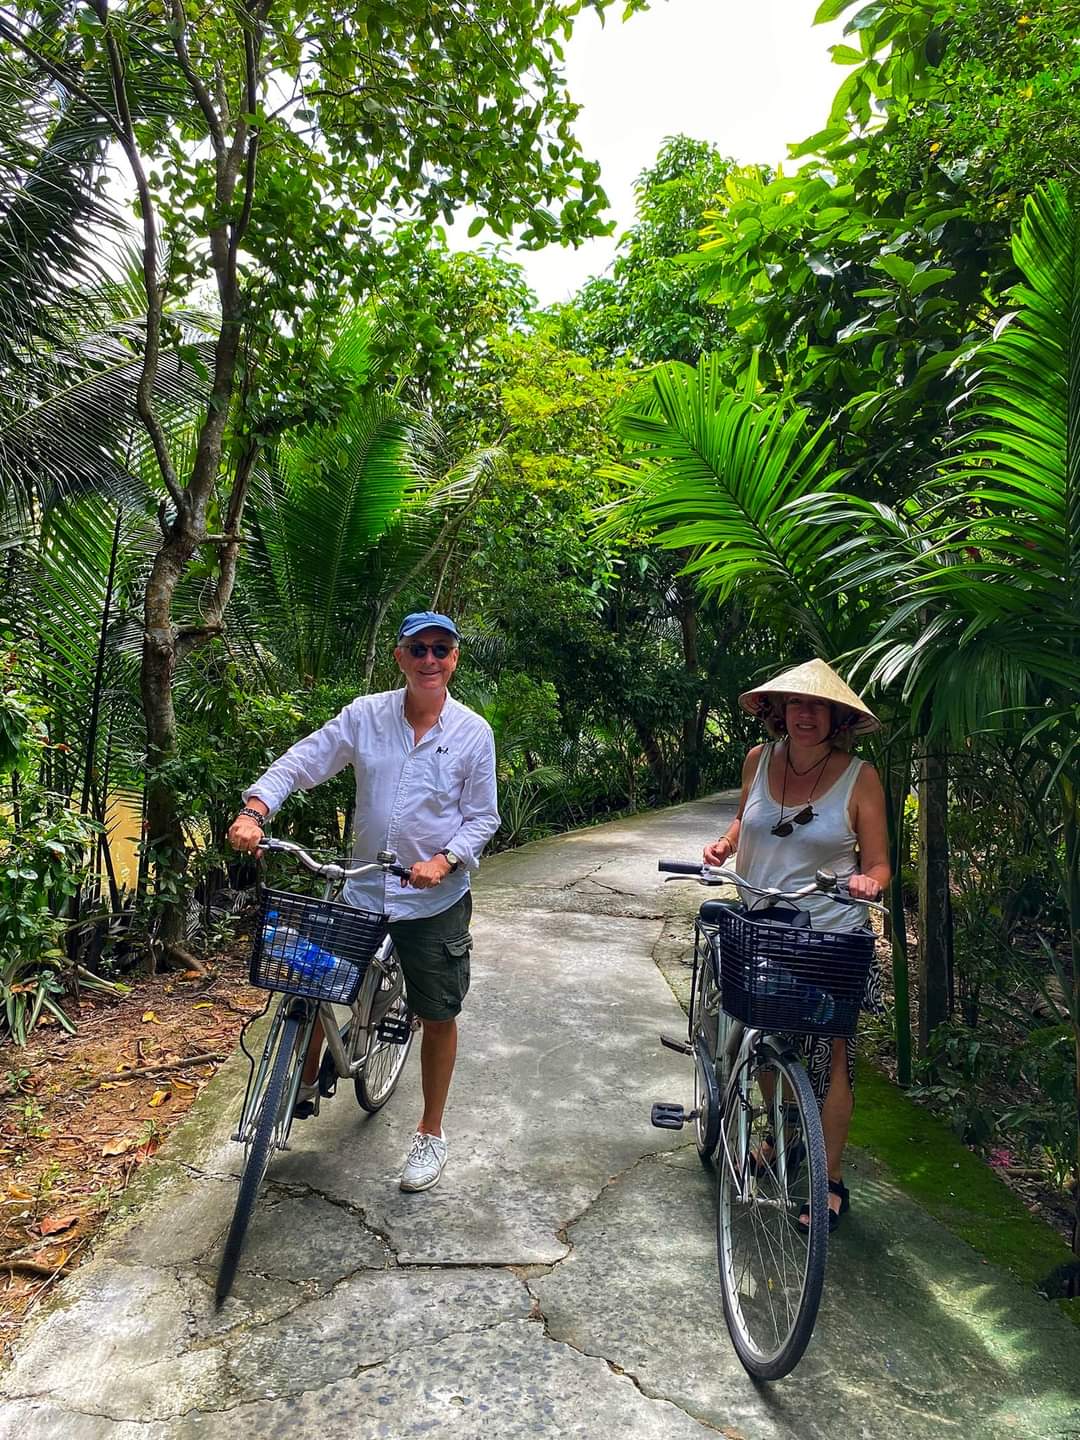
(836, 1187)
(796, 1155)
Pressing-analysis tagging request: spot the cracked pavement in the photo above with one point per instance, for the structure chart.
(561, 1279)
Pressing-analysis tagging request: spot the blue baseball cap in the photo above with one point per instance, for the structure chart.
(426, 620)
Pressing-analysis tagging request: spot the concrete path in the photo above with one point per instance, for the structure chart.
(561, 1281)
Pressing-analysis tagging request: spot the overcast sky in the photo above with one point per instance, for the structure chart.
(750, 78)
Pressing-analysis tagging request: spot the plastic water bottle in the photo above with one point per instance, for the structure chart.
(281, 941)
(301, 955)
(816, 1006)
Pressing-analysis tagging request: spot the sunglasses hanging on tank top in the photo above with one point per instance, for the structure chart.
(806, 814)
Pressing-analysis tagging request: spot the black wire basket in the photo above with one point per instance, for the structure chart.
(776, 976)
(316, 948)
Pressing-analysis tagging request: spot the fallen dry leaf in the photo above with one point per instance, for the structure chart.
(203, 1005)
(120, 1145)
(159, 1097)
(17, 1192)
(149, 1018)
(193, 975)
(53, 1224)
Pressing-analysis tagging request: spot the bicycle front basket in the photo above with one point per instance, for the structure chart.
(316, 948)
(780, 977)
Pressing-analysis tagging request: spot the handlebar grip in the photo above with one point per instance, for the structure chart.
(679, 867)
(401, 871)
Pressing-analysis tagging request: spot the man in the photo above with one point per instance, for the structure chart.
(425, 788)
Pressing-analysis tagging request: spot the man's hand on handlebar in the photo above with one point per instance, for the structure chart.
(245, 834)
(426, 874)
(719, 852)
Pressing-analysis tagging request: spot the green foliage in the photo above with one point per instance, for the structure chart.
(980, 91)
(966, 1073)
(650, 309)
(1007, 518)
(718, 476)
(44, 854)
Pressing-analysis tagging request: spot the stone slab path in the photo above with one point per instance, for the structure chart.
(561, 1279)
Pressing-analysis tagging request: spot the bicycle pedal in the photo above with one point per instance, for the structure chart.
(394, 1029)
(666, 1116)
(670, 1043)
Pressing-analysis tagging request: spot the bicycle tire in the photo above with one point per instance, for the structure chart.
(384, 1060)
(771, 1291)
(706, 1087)
(289, 1055)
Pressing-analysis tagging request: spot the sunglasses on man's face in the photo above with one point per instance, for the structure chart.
(440, 650)
(805, 815)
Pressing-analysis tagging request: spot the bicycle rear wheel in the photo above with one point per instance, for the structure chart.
(269, 1128)
(384, 1057)
(771, 1162)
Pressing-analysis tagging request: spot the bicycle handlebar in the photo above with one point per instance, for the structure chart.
(824, 883)
(386, 860)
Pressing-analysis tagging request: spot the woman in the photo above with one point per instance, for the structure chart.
(808, 805)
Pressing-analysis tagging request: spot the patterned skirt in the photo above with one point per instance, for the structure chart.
(816, 1051)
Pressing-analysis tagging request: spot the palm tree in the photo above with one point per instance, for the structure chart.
(346, 515)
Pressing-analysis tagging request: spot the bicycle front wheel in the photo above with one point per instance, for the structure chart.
(704, 1027)
(279, 1073)
(771, 1164)
(385, 1055)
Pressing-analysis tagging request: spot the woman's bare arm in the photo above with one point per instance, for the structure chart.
(868, 803)
(723, 849)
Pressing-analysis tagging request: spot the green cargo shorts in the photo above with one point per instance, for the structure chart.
(434, 952)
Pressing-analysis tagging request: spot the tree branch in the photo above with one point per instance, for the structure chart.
(198, 89)
(154, 308)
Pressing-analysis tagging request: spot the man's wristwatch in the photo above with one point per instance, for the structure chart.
(451, 859)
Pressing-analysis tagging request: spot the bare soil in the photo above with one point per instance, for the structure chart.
(75, 1124)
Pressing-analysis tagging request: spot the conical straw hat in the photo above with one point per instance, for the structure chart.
(812, 678)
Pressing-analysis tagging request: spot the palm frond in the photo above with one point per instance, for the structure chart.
(716, 474)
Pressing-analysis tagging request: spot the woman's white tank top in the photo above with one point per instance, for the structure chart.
(789, 862)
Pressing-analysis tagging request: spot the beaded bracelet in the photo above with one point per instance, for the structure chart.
(256, 815)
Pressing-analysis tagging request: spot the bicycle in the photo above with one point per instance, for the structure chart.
(317, 953)
(758, 977)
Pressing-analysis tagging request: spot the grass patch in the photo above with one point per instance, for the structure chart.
(929, 1163)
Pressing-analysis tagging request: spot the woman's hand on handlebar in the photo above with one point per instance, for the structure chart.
(719, 852)
(862, 887)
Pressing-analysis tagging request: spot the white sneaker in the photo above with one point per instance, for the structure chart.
(424, 1162)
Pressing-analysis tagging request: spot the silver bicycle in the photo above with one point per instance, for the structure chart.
(321, 956)
(760, 978)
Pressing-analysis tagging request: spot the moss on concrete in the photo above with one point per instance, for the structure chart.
(929, 1163)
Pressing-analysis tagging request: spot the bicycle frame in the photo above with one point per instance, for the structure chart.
(348, 1066)
(308, 1011)
(736, 1044)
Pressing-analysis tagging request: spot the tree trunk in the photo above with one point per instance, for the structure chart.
(691, 749)
(163, 835)
(935, 917)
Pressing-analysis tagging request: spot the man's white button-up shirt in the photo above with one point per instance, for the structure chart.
(413, 798)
